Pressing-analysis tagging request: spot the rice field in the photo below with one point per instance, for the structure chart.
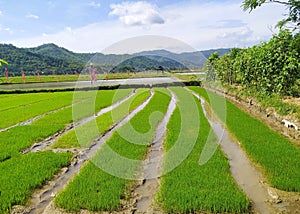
(279, 158)
(106, 181)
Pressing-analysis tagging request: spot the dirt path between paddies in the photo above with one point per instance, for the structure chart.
(41, 200)
(45, 144)
(263, 197)
(148, 183)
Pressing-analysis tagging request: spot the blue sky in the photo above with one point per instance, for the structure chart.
(90, 26)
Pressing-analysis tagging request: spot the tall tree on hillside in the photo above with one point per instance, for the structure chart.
(293, 6)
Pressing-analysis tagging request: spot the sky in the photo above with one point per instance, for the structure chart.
(95, 26)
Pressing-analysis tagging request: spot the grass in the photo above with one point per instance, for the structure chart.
(20, 176)
(278, 157)
(97, 190)
(191, 187)
(86, 133)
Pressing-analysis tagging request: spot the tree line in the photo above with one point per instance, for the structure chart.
(272, 67)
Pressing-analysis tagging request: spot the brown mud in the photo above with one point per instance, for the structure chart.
(41, 199)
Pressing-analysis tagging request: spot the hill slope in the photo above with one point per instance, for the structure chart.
(49, 59)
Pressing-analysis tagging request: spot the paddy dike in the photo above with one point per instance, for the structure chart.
(41, 200)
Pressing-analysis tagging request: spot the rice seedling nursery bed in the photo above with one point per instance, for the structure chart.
(97, 190)
(279, 158)
(192, 187)
(82, 136)
(189, 188)
(20, 173)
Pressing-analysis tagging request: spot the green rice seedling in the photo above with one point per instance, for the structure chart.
(86, 133)
(20, 176)
(279, 158)
(16, 115)
(18, 100)
(195, 188)
(13, 141)
(65, 116)
(97, 190)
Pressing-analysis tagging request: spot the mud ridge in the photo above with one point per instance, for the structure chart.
(41, 200)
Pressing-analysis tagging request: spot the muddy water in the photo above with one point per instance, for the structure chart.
(248, 178)
(50, 140)
(152, 168)
(42, 198)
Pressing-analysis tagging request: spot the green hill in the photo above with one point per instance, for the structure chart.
(52, 59)
(145, 63)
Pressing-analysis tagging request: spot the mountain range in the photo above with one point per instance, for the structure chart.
(52, 59)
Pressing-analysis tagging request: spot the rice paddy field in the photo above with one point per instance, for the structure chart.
(108, 135)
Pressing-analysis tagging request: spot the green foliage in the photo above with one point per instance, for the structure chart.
(278, 157)
(96, 190)
(30, 61)
(194, 188)
(144, 63)
(271, 68)
(210, 65)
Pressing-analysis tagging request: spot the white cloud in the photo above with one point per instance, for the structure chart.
(137, 13)
(1, 13)
(94, 4)
(31, 16)
(202, 25)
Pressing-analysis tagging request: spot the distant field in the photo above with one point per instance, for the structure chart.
(83, 77)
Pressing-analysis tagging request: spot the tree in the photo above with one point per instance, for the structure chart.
(293, 7)
(210, 66)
